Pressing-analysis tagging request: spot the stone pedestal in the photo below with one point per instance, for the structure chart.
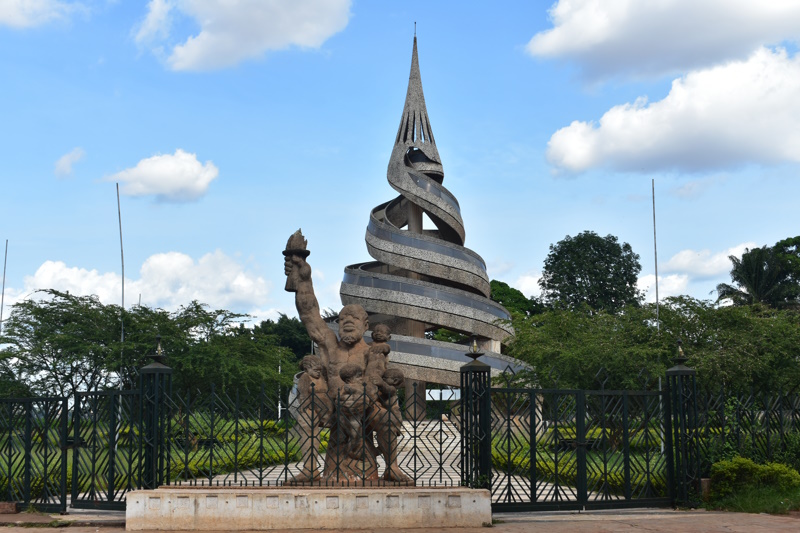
(259, 509)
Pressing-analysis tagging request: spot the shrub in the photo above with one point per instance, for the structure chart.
(791, 454)
(739, 473)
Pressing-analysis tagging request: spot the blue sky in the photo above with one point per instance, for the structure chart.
(228, 125)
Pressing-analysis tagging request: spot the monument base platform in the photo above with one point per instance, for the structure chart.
(240, 509)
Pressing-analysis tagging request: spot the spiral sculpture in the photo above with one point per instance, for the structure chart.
(426, 276)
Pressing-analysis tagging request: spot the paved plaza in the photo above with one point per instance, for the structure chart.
(649, 520)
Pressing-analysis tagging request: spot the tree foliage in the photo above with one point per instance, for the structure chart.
(58, 343)
(592, 271)
(789, 250)
(513, 300)
(734, 347)
(566, 349)
(288, 332)
(762, 275)
(62, 343)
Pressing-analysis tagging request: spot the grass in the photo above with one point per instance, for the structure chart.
(770, 500)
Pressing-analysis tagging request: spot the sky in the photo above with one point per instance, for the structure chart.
(229, 125)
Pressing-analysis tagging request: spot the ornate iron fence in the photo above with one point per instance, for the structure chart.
(533, 448)
(255, 439)
(33, 463)
(556, 449)
(106, 450)
(753, 425)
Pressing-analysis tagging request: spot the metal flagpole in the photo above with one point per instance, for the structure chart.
(655, 251)
(122, 311)
(3, 293)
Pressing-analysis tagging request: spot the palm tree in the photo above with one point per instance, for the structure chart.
(761, 276)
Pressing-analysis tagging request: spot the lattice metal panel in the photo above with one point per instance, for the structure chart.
(32, 461)
(106, 448)
(575, 449)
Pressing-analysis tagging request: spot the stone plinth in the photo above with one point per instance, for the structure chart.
(239, 509)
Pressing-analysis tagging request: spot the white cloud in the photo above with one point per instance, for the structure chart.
(528, 284)
(609, 37)
(735, 114)
(234, 31)
(166, 280)
(173, 279)
(30, 13)
(696, 188)
(497, 269)
(156, 24)
(64, 164)
(179, 177)
(705, 263)
(672, 285)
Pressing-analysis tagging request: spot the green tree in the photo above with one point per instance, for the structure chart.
(289, 332)
(513, 300)
(736, 347)
(589, 270)
(220, 350)
(739, 348)
(61, 343)
(567, 349)
(57, 344)
(762, 275)
(789, 252)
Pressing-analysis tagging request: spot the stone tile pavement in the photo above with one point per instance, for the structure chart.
(649, 520)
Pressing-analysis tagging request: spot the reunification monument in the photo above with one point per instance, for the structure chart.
(421, 280)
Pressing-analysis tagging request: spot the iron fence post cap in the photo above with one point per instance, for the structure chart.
(156, 368)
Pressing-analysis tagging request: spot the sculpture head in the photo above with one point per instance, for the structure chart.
(393, 377)
(312, 365)
(381, 333)
(353, 323)
(351, 373)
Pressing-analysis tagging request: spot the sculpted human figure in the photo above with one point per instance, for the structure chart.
(312, 391)
(389, 416)
(313, 409)
(376, 358)
(387, 395)
(335, 352)
(353, 404)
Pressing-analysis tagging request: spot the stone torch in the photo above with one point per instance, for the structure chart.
(295, 246)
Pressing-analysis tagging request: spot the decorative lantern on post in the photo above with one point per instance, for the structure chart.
(682, 389)
(476, 422)
(156, 386)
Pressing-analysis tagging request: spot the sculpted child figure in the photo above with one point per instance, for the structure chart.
(312, 391)
(353, 404)
(377, 356)
(314, 407)
(388, 409)
(391, 380)
(313, 410)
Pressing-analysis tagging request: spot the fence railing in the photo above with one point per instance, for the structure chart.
(33, 463)
(753, 425)
(549, 447)
(257, 439)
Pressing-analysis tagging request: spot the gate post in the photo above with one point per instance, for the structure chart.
(476, 422)
(682, 390)
(156, 384)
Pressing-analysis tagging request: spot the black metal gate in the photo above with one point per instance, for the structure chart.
(106, 448)
(33, 465)
(558, 449)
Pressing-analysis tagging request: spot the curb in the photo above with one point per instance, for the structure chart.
(60, 523)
